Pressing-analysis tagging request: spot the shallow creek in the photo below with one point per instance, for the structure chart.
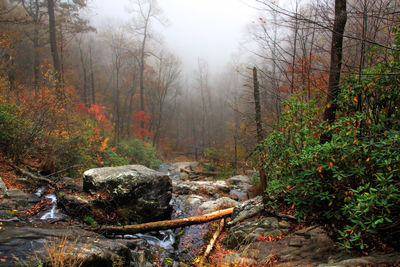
(183, 243)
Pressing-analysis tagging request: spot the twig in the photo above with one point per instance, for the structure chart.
(212, 242)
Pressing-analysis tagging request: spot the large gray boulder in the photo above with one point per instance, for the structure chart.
(134, 192)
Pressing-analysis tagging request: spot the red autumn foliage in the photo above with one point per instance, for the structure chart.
(141, 116)
(142, 133)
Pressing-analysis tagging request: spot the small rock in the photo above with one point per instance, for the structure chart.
(247, 210)
(220, 203)
(238, 195)
(75, 205)
(176, 167)
(183, 175)
(295, 242)
(238, 179)
(3, 187)
(195, 200)
(284, 224)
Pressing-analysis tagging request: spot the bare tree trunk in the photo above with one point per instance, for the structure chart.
(142, 65)
(296, 27)
(36, 56)
(53, 41)
(336, 63)
(93, 89)
(84, 82)
(260, 135)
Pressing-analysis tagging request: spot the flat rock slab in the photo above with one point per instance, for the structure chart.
(306, 247)
(238, 179)
(29, 245)
(176, 167)
(201, 187)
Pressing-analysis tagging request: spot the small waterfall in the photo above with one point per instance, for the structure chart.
(52, 213)
(166, 240)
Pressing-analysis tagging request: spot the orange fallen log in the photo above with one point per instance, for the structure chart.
(161, 225)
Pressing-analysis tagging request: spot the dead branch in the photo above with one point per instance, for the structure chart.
(212, 242)
(32, 176)
(161, 225)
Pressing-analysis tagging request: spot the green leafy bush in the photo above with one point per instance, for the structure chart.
(352, 181)
(139, 152)
(16, 133)
(112, 158)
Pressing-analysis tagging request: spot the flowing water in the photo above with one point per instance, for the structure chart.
(183, 244)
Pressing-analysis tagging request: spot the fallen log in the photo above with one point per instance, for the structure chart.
(199, 172)
(160, 225)
(33, 176)
(212, 242)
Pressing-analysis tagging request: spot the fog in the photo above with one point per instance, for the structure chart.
(209, 30)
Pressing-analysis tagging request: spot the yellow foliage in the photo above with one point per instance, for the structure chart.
(103, 145)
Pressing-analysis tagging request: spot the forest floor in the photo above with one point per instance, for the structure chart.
(251, 237)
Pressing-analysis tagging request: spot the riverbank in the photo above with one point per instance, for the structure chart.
(36, 227)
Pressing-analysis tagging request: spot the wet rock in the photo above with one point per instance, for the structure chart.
(3, 188)
(75, 205)
(15, 199)
(24, 244)
(176, 167)
(247, 210)
(392, 259)
(236, 259)
(238, 179)
(220, 203)
(250, 231)
(143, 192)
(70, 186)
(194, 200)
(204, 187)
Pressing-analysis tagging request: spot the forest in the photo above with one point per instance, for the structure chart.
(313, 106)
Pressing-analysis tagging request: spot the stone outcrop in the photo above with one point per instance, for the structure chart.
(218, 204)
(247, 209)
(250, 231)
(238, 179)
(29, 245)
(204, 187)
(176, 167)
(133, 191)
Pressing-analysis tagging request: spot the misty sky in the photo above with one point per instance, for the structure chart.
(207, 29)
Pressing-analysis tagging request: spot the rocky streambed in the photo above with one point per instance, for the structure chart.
(36, 226)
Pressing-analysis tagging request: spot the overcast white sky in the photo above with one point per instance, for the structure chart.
(207, 29)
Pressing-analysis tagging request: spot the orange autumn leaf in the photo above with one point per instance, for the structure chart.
(103, 145)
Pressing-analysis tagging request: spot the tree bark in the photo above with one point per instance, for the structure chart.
(212, 242)
(53, 41)
(93, 89)
(260, 136)
(336, 64)
(161, 225)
